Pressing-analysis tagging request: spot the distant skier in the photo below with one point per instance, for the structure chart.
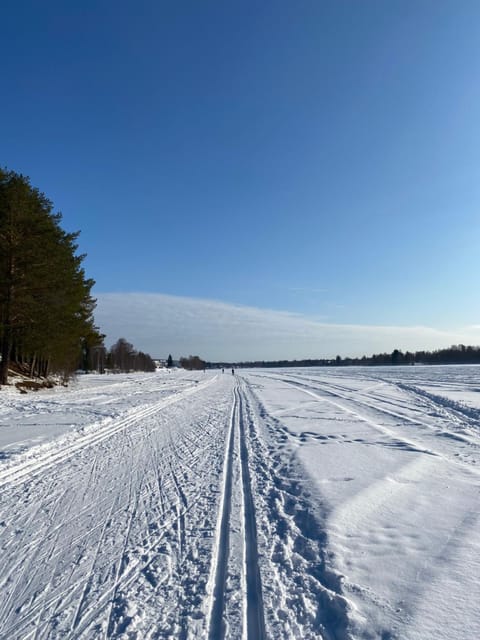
(223, 370)
(233, 372)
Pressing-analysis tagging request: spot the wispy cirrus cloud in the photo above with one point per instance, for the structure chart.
(161, 324)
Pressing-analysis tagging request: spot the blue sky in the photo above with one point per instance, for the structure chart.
(319, 159)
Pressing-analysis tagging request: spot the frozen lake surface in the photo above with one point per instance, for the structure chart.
(335, 503)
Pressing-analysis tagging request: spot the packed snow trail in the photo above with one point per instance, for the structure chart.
(280, 504)
(255, 622)
(109, 532)
(301, 593)
(221, 549)
(154, 520)
(244, 568)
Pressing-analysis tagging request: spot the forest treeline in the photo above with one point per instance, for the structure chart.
(192, 363)
(122, 357)
(46, 307)
(456, 354)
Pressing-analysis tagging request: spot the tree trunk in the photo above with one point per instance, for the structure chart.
(32, 365)
(6, 348)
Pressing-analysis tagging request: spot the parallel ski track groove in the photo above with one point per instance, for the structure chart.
(84, 616)
(86, 597)
(315, 387)
(17, 473)
(255, 619)
(327, 388)
(216, 630)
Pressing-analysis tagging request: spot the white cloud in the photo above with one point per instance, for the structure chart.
(162, 324)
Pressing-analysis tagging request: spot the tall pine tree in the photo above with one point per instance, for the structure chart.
(46, 308)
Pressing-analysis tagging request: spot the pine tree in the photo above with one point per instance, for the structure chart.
(46, 309)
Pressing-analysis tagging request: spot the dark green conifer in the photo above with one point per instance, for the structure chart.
(46, 308)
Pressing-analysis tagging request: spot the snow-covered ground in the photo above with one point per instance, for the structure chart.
(301, 503)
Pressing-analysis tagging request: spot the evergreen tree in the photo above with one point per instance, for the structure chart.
(46, 309)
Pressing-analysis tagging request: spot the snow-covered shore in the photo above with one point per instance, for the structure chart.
(301, 503)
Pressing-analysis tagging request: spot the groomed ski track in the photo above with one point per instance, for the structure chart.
(201, 506)
(252, 604)
(156, 523)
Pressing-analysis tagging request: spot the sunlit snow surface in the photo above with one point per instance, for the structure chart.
(302, 503)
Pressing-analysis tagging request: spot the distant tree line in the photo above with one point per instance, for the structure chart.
(456, 354)
(123, 357)
(192, 363)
